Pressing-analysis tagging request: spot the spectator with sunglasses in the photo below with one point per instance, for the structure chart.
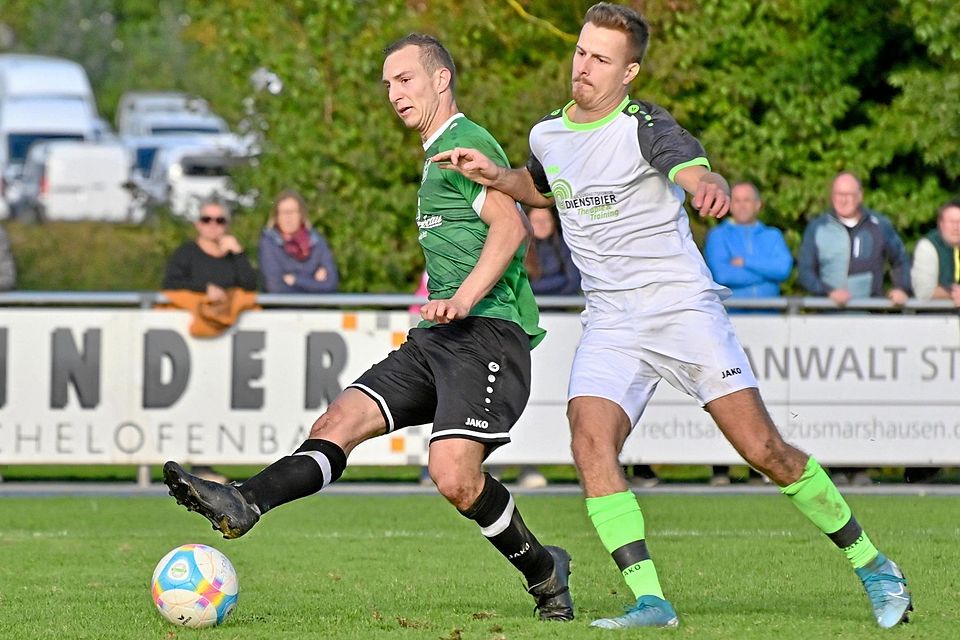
(294, 257)
(214, 262)
(214, 267)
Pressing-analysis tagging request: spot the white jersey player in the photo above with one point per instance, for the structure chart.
(617, 171)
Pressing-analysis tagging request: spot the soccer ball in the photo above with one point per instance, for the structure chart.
(195, 586)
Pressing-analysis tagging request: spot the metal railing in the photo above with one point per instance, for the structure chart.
(147, 299)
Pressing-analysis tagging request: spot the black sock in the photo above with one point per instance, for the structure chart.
(501, 523)
(314, 465)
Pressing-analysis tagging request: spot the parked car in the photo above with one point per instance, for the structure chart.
(182, 176)
(135, 105)
(68, 180)
(176, 124)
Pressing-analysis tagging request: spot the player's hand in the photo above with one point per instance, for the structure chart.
(955, 295)
(898, 297)
(444, 311)
(469, 162)
(711, 199)
(840, 296)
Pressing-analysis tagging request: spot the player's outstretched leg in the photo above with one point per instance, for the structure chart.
(546, 569)
(815, 495)
(619, 522)
(234, 510)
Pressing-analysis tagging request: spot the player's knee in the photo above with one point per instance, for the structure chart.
(331, 419)
(776, 459)
(456, 487)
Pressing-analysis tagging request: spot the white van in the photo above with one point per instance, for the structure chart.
(40, 98)
(64, 180)
(30, 76)
(135, 105)
(26, 121)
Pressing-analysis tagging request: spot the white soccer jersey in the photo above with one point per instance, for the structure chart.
(621, 214)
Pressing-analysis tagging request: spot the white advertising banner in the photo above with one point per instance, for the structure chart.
(130, 386)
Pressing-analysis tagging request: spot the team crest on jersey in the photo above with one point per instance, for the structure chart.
(593, 205)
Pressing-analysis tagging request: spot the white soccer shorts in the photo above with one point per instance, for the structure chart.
(625, 350)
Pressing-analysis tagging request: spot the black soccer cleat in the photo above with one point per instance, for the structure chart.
(553, 594)
(223, 505)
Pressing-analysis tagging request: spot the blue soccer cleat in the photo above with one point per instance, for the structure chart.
(649, 611)
(887, 589)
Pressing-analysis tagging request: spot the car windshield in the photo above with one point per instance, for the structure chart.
(145, 157)
(166, 131)
(19, 143)
(204, 168)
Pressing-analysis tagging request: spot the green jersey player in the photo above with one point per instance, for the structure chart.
(466, 369)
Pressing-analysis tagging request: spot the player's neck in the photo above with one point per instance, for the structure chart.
(439, 119)
(584, 115)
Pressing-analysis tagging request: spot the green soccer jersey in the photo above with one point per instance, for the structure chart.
(452, 233)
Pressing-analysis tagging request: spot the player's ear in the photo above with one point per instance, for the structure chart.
(442, 79)
(633, 69)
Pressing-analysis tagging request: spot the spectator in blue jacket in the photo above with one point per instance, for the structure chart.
(744, 254)
(548, 261)
(294, 258)
(846, 250)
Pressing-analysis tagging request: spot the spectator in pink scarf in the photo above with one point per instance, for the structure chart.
(294, 258)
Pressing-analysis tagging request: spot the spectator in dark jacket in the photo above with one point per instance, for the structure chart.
(548, 260)
(294, 258)
(846, 251)
(215, 261)
(744, 254)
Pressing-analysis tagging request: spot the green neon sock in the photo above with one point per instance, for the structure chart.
(619, 522)
(815, 495)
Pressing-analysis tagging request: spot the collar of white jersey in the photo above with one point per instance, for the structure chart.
(596, 124)
(439, 132)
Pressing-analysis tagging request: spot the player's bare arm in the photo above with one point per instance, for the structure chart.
(507, 232)
(517, 183)
(710, 191)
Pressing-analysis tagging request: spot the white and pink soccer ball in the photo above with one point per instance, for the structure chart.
(195, 586)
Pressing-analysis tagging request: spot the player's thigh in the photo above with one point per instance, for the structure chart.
(351, 418)
(482, 372)
(402, 385)
(609, 364)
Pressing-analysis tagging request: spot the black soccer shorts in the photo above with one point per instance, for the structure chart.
(470, 377)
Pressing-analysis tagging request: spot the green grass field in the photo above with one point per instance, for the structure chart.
(411, 567)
